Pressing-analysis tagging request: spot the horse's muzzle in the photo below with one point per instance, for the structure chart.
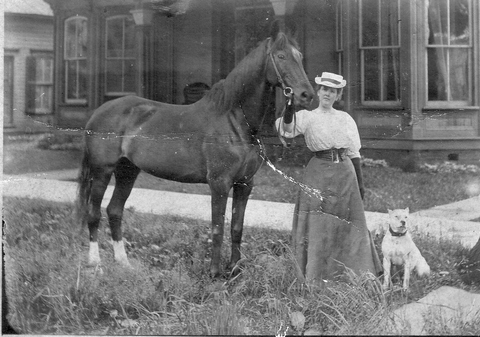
(303, 96)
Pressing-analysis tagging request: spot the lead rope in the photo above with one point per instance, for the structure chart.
(289, 95)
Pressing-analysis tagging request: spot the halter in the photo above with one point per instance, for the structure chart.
(287, 91)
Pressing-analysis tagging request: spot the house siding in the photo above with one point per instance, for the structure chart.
(24, 35)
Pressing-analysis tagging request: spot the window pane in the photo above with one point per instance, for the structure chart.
(438, 22)
(76, 79)
(389, 23)
(129, 79)
(70, 39)
(372, 75)
(114, 76)
(129, 37)
(459, 74)
(71, 69)
(43, 98)
(82, 79)
(82, 38)
(115, 37)
(459, 22)
(382, 75)
(391, 75)
(370, 24)
(48, 70)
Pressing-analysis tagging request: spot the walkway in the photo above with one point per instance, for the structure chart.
(448, 221)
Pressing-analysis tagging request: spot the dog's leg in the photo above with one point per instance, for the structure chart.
(406, 274)
(386, 272)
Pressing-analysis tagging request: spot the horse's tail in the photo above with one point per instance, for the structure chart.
(84, 188)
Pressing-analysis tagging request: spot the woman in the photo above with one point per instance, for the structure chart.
(329, 227)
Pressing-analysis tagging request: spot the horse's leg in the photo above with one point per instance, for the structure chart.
(219, 204)
(100, 180)
(125, 175)
(241, 191)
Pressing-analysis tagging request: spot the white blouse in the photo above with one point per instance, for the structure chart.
(325, 130)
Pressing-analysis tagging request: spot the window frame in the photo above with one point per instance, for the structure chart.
(106, 58)
(398, 47)
(32, 82)
(76, 59)
(450, 104)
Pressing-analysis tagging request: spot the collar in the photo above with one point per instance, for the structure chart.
(395, 233)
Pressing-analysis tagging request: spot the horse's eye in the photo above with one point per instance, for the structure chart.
(281, 56)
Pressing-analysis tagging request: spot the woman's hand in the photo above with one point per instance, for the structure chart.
(288, 115)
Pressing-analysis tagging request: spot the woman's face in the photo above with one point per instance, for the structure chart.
(327, 96)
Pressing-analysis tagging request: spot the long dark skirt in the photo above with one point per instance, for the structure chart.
(331, 234)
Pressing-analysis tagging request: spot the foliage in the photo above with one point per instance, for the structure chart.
(52, 291)
(449, 167)
(60, 141)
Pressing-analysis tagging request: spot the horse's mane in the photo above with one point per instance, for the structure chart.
(225, 94)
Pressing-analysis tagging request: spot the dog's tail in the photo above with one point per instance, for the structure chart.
(422, 267)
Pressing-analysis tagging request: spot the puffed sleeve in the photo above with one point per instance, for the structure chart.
(353, 151)
(300, 122)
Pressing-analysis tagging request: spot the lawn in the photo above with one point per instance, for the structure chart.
(50, 290)
(386, 187)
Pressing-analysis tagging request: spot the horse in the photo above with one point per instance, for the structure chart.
(211, 141)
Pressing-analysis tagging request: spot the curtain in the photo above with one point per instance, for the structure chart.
(448, 61)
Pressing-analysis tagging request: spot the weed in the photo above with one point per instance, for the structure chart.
(50, 289)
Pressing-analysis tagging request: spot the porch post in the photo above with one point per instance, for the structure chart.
(143, 20)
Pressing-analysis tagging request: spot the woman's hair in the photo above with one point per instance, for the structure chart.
(339, 90)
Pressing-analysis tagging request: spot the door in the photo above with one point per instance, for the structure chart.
(8, 91)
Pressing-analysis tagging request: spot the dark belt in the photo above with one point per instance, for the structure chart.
(335, 155)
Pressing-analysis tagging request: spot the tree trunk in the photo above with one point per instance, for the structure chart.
(470, 269)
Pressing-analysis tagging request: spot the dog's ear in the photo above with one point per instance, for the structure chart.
(389, 211)
(407, 209)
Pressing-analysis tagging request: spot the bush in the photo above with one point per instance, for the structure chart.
(60, 141)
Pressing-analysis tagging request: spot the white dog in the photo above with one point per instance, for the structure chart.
(398, 249)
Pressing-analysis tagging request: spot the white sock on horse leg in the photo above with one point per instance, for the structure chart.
(93, 254)
(120, 253)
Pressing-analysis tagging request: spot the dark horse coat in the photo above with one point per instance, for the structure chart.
(212, 141)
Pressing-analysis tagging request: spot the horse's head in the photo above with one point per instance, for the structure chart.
(285, 68)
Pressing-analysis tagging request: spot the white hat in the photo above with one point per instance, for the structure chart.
(331, 80)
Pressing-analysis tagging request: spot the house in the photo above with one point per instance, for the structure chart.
(28, 66)
(412, 66)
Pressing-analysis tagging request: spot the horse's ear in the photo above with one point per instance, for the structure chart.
(274, 29)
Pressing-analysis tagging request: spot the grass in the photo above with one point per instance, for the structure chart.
(52, 291)
(386, 187)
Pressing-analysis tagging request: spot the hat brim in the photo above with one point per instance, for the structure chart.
(329, 83)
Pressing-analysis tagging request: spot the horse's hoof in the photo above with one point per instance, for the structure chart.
(124, 263)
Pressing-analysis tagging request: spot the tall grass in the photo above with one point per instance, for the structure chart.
(168, 291)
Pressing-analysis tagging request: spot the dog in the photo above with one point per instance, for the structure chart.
(399, 249)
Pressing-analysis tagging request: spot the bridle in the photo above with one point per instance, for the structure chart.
(287, 91)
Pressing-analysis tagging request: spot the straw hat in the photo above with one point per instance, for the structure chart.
(331, 80)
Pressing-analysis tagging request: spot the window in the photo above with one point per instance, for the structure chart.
(75, 58)
(449, 51)
(39, 91)
(380, 51)
(120, 56)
